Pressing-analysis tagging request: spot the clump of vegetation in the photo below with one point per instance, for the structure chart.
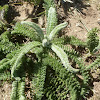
(93, 39)
(3, 17)
(46, 60)
(4, 11)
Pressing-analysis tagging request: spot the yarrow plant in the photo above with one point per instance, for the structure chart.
(44, 60)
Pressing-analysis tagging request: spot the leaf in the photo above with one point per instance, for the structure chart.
(22, 91)
(26, 31)
(14, 95)
(47, 4)
(96, 48)
(92, 39)
(25, 49)
(51, 20)
(36, 27)
(18, 88)
(57, 29)
(63, 57)
(38, 80)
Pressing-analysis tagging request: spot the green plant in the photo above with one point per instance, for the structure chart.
(3, 18)
(48, 4)
(92, 39)
(44, 61)
(4, 10)
(93, 44)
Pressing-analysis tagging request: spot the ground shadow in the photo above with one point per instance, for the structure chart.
(3, 2)
(12, 13)
(77, 4)
(35, 13)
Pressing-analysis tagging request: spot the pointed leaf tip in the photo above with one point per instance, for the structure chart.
(63, 57)
(57, 29)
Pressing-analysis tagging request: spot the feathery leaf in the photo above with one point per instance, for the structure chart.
(51, 20)
(57, 29)
(36, 27)
(63, 57)
(25, 49)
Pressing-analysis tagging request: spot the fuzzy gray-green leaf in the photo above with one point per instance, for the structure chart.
(57, 29)
(63, 57)
(25, 49)
(36, 27)
(51, 20)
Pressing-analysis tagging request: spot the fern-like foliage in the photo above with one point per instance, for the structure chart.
(55, 87)
(25, 30)
(48, 4)
(4, 11)
(5, 76)
(71, 83)
(95, 64)
(18, 89)
(6, 46)
(3, 27)
(45, 60)
(38, 81)
(93, 39)
(3, 17)
(93, 44)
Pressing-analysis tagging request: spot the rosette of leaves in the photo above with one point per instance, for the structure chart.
(44, 60)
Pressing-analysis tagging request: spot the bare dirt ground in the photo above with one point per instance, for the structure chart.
(81, 18)
(25, 12)
(5, 91)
